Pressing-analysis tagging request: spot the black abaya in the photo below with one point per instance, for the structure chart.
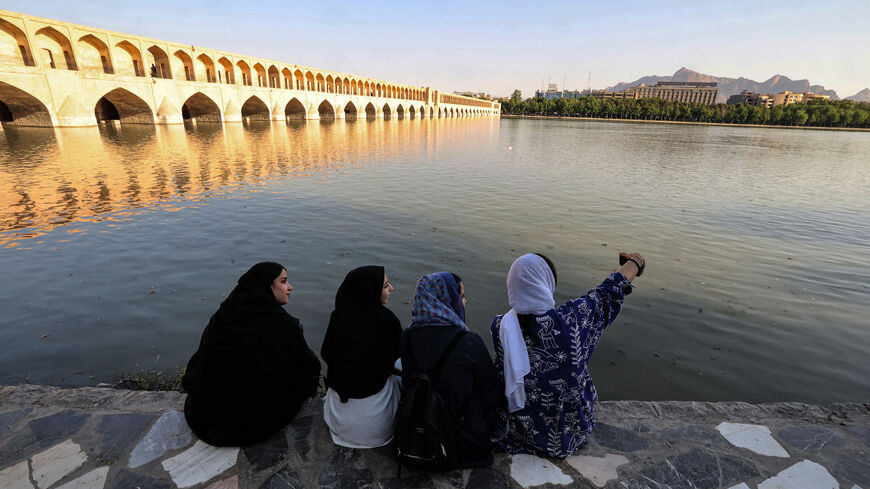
(362, 339)
(253, 369)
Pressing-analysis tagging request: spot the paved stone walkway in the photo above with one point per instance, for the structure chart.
(87, 438)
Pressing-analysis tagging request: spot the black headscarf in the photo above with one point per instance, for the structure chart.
(253, 367)
(362, 339)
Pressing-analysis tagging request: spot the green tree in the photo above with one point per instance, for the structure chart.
(516, 96)
(799, 117)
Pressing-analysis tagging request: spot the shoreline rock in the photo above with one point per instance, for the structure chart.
(120, 438)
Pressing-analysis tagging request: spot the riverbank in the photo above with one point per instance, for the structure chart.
(54, 438)
(601, 119)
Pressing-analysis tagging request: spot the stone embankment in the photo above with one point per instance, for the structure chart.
(86, 438)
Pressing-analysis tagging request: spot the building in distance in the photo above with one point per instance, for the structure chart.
(553, 93)
(751, 98)
(703, 93)
(605, 95)
(767, 100)
(480, 95)
(687, 92)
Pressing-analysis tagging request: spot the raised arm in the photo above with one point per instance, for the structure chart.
(633, 265)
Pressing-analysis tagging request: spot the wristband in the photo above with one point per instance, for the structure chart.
(639, 268)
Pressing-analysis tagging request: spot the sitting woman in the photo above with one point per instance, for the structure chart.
(360, 349)
(253, 369)
(468, 381)
(542, 352)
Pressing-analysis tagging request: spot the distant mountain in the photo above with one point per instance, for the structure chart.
(732, 86)
(862, 96)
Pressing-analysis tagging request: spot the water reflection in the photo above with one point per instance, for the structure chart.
(757, 288)
(58, 176)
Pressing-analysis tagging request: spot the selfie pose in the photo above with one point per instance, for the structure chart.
(542, 352)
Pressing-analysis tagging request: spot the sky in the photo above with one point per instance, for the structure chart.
(498, 46)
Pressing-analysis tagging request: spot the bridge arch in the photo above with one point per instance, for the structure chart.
(255, 109)
(288, 78)
(309, 81)
(338, 85)
(300, 79)
(371, 111)
(350, 111)
(128, 59)
(229, 74)
(326, 110)
(19, 108)
(421, 112)
(94, 55)
(54, 49)
(274, 77)
(330, 84)
(14, 47)
(157, 58)
(261, 74)
(388, 113)
(186, 65)
(206, 68)
(127, 107)
(321, 85)
(412, 112)
(431, 112)
(245, 68)
(400, 112)
(201, 107)
(294, 109)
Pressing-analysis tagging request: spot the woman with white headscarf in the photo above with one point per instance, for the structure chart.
(542, 352)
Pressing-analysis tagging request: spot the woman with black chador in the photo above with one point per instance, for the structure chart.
(253, 369)
(360, 349)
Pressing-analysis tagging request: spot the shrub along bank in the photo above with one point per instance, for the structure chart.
(816, 113)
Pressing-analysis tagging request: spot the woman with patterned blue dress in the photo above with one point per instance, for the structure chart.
(542, 352)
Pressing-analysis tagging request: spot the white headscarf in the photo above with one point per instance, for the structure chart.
(530, 286)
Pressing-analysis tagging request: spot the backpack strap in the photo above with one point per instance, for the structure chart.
(414, 366)
(446, 353)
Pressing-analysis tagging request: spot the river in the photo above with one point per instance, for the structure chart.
(118, 242)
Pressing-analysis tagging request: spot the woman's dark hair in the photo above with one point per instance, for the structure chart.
(456, 278)
(552, 267)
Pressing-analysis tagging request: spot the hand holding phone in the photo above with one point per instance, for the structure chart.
(637, 258)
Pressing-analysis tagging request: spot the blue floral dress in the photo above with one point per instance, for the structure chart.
(560, 397)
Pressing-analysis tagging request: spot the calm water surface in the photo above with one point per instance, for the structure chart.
(117, 243)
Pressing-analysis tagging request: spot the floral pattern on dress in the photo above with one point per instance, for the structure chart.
(560, 397)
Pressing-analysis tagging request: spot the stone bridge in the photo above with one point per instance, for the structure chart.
(54, 73)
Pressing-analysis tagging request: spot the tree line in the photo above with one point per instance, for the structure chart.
(815, 113)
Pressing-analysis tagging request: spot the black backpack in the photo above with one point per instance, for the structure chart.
(425, 426)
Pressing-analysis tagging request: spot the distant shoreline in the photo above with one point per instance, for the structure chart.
(771, 126)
